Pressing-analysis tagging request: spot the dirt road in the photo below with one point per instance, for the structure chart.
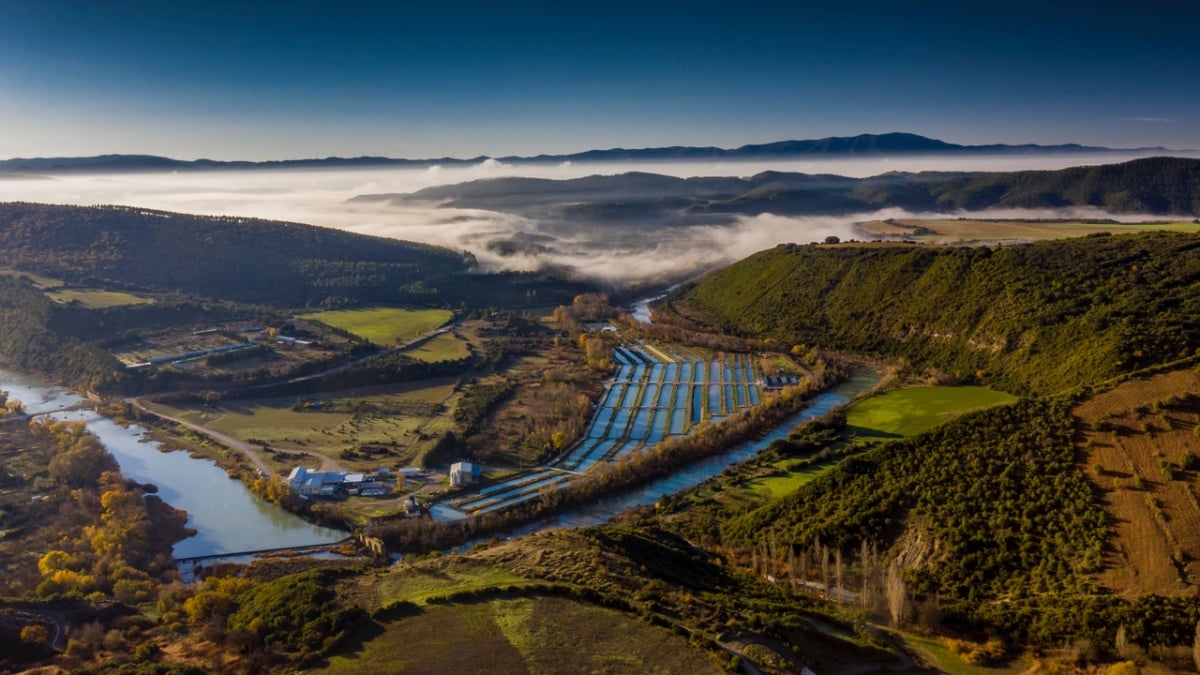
(249, 450)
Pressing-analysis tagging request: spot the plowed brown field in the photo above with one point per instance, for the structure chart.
(1132, 442)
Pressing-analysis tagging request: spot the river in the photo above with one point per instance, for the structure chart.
(641, 309)
(599, 512)
(226, 516)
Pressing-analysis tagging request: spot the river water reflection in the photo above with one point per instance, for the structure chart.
(226, 516)
(597, 513)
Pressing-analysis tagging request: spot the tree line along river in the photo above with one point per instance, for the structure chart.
(229, 518)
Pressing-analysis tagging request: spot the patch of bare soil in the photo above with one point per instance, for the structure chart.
(1138, 445)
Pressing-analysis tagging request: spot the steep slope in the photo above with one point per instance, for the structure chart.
(235, 258)
(1032, 318)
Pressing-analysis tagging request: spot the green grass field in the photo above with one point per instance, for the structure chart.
(384, 326)
(905, 412)
(93, 299)
(418, 586)
(892, 414)
(520, 634)
(406, 419)
(444, 347)
(777, 486)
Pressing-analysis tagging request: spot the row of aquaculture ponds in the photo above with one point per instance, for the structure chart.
(657, 392)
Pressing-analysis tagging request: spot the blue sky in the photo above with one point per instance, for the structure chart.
(276, 80)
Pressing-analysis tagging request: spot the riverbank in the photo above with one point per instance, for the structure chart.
(226, 515)
(647, 475)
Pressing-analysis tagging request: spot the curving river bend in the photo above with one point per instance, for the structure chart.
(227, 517)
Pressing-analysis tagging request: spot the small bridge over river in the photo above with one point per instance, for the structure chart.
(312, 548)
(83, 405)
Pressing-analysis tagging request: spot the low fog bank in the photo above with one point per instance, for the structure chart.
(502, 241)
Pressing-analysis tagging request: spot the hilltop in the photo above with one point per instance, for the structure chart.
(245, 259)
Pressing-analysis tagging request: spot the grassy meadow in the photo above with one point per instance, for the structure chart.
(961, 231)
(385, 326)
(95, 299)
(88, 297)
(445, 347)
(460, 615)
(907, 412)
(401, 422)
(892, 414)
(520, 634)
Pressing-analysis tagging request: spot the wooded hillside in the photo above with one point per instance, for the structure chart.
(1034, 318)
(234, 258)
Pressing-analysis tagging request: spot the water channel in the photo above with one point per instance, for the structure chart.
(226, 516)
(599, 512)
(229, 518)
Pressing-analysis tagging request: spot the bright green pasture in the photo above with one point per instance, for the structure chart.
(906, 412)
(794, 479)
(93, 299)
(384, 326)
(445, 347)
(892, 414)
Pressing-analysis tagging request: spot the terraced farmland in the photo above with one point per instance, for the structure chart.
(657, 392)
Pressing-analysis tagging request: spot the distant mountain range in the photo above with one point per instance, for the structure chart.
(1155, 185)
(863, 144)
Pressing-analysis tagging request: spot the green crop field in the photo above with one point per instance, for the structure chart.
(93, 299)
(384, 326)
(444, 347)
(905, 412)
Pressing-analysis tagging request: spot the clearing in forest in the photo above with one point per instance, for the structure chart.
(1138, 446)
(888, 415)
(385, 326)
(906, 412)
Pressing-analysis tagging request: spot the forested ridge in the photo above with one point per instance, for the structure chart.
(28, 343)
(1032, 318)
(242, 259)
(1168, 186)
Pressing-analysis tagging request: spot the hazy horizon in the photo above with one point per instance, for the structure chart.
(321, 197)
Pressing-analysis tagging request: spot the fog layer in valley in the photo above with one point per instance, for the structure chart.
(320, 197)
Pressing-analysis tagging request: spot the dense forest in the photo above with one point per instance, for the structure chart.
(28, 343)
(1040, 317)
(250, 260)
